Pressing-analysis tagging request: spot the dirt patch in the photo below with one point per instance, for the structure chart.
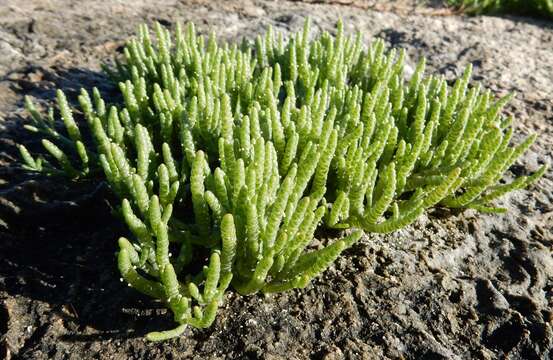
(451, 286)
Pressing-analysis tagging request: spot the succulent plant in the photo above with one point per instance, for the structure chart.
(230, 157)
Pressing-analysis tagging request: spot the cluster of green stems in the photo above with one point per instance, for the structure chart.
(231, 157)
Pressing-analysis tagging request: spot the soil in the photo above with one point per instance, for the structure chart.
(451, 286)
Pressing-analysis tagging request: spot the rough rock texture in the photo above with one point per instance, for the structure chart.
(452, 286)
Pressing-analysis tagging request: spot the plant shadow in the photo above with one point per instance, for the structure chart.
(58, 236)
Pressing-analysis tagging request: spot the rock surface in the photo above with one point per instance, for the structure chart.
(452, 286)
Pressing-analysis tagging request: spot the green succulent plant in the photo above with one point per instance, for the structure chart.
(236, 154)
(539, 8)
